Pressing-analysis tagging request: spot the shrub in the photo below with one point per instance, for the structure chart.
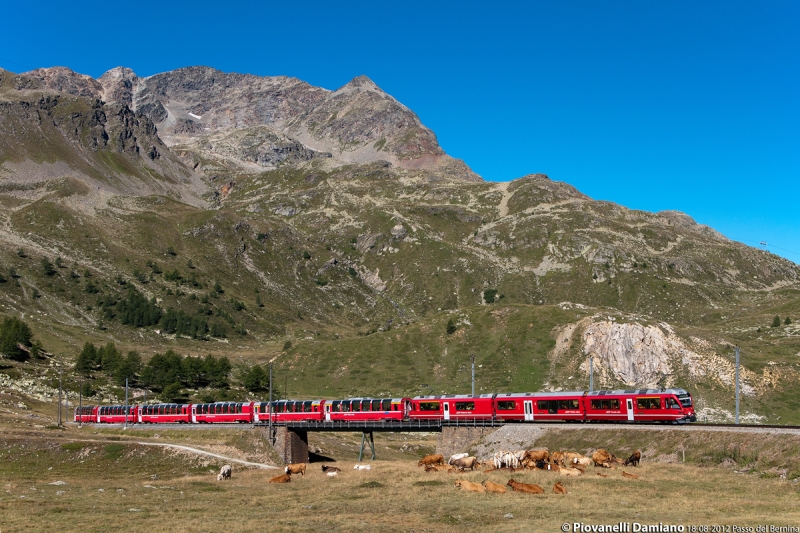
(776, 322)
(47, 267)
(787, 321)
(451, 327)
(489, 295)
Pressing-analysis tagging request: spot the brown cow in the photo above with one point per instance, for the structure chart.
(296, 468)
(494, 487)
(328, 469)
(466, 462)
(469, 486)
(437, 459)
(537, 455)
(440, 468)
(558, 488)
(634, 459)
(602, 458)
(527, 488)
(557, 458)
(285, 478)
(569, 472)
(629, 476)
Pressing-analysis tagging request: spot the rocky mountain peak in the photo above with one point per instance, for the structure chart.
(62, 79)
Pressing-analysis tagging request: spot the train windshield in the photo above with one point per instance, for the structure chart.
(686, 400)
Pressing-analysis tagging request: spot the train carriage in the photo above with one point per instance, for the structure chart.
(222, 412)
(367, 409)
(86, 414)
(452, 407)
(289, 411)
(117, 414)
(165, 413)
(640, 405)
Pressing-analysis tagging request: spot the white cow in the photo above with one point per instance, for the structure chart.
(224, 473)
(362, 467)
(456, 457)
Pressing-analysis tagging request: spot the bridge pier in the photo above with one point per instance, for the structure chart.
(458, 439)
(291, 445)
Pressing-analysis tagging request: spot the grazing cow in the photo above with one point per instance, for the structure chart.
(224, 473)
(362, 467)
(494, 487)
(469, 486)
(466, 462)
(602, 458)
(558, 488)
(333, 474)
(527, 488)
(456, 457)
(437, 459)
(328, 469)
(629, 476)
(285, 478)
(296, 468)
(634, 459)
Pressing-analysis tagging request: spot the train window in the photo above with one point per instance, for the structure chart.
(565, 405)
(686, 401)
(387, 405)
(465, 406)
(428, 406)
(306, 407)
(346, 406)
(611, 404)
(648, 403)
(506, 406)
(551, 406)
(376, 405)
(356, 407)
(672, 404)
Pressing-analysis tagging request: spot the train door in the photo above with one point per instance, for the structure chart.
(629, 405)
(406, 409)
(446, 407)
(528, 405)
(139, 415)
(327, 412)
(194, 414)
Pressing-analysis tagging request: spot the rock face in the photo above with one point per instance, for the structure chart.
(649, 356)
(637, 355)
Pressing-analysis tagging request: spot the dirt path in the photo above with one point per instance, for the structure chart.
(203, 452)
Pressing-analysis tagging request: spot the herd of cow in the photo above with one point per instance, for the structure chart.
(565, 463)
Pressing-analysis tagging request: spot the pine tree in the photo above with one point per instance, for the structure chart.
(87, 360)
(451, 327)
(776, 322)
(13, 333)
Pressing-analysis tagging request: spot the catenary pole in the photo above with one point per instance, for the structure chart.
(473, 374)
(591, 373)
(737, 385)
(126, 403)
(60, 388)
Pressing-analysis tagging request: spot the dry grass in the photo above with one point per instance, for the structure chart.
(394, 496)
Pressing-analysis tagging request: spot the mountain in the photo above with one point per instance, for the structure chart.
(327, 230)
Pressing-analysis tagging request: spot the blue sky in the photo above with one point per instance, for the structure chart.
(692, 106)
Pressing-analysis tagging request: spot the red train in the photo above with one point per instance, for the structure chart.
(642, 405)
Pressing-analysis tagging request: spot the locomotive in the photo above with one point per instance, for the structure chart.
(636, 406)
